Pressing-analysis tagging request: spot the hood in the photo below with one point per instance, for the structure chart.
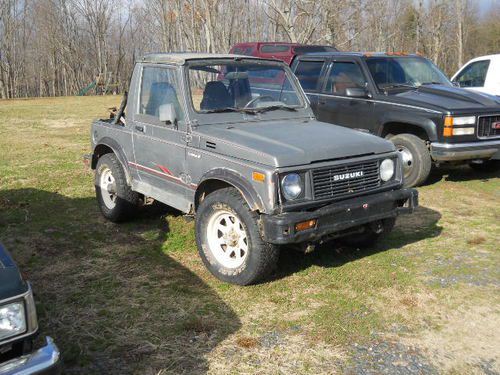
(286, 143)
(446, 98)
(11, 282)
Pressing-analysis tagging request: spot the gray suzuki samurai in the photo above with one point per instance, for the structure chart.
(232, 140)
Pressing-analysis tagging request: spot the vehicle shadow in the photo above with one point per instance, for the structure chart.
(458, 173)
(422, 224)
(114, 302)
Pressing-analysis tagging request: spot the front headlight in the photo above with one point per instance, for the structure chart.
(450, 125)
(292, 186)
(386, 170)
(464, 120)
(12, 320)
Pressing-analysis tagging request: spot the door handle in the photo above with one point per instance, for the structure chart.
(322, 102)
(139, 128)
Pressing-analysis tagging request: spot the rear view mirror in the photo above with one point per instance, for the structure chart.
(356, 92)
(455, 83)
(167, 113)
(236, 75)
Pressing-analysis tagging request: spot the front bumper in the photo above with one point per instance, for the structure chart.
(44, 361)
(465, 151)
(338, 217)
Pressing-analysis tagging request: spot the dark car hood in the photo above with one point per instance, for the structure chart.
(446, 98)
(11, 282)
(286, 143)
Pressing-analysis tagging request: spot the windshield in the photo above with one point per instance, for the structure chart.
(242, 87)
(388, 72)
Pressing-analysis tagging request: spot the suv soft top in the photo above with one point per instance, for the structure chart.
(180, 58)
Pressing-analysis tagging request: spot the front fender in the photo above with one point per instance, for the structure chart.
(421, 121)
(235, 179)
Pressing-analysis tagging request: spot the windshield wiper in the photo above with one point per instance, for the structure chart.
(431, 83)
(275, 107)
(230, 109)
(399, 85)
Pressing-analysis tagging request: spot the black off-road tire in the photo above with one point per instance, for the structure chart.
(126, 200)
(261, 258)
(421, 159)
(487, 166)
(369, 237)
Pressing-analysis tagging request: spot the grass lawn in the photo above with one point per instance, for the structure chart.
(135, 298)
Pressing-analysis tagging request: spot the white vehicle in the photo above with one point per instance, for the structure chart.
(480, 74)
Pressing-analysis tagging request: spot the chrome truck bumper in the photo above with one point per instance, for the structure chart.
(44, 361)
(465, 151)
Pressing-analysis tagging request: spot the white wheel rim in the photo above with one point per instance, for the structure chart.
(108, 188)
(227, 239)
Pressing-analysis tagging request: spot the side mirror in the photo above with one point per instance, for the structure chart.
(455, 83)
(356, 92)
(167, 113)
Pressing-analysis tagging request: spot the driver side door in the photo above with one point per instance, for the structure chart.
(160, 147)
(336, 107)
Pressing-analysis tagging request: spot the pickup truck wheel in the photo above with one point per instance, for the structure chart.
(371, 234)
(486, 166)
(229, 241)
(417, 161)
(116, 199)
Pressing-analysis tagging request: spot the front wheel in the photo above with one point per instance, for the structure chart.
(229, 241)
(116, 199)
(416, 159)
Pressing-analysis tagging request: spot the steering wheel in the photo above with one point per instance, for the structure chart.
(258, 98)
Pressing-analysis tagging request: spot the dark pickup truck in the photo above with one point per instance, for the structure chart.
(407, 99)
(19, 326)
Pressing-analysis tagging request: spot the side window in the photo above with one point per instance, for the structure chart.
(474, 74)
(344, 75)
(308, 73)
(159, 86)
(274, 48)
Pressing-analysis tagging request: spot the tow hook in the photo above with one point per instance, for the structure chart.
(305, 248)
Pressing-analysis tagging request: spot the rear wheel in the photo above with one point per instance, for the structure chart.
(229, 241)
(417, 161)
(116, 199)
(486, 166)
(372, 233)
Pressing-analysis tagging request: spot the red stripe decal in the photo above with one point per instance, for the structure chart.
(165, 169)
(167, 175)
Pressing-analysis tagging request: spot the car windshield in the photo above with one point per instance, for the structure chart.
(240, 86)
(407, 71)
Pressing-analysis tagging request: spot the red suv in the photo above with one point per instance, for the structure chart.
(278, 50)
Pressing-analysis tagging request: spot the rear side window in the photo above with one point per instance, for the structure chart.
(274, 48)
(308, 73)
(344, 75)
(474, 74)
(159, 86)
(248, 51)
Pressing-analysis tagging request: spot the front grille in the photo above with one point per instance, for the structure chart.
(326, 185)
(488, 126)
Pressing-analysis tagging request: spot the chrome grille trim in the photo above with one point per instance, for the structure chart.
(325, 187)
(484, 129)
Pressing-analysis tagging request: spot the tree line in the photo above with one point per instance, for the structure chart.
(69, 47)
